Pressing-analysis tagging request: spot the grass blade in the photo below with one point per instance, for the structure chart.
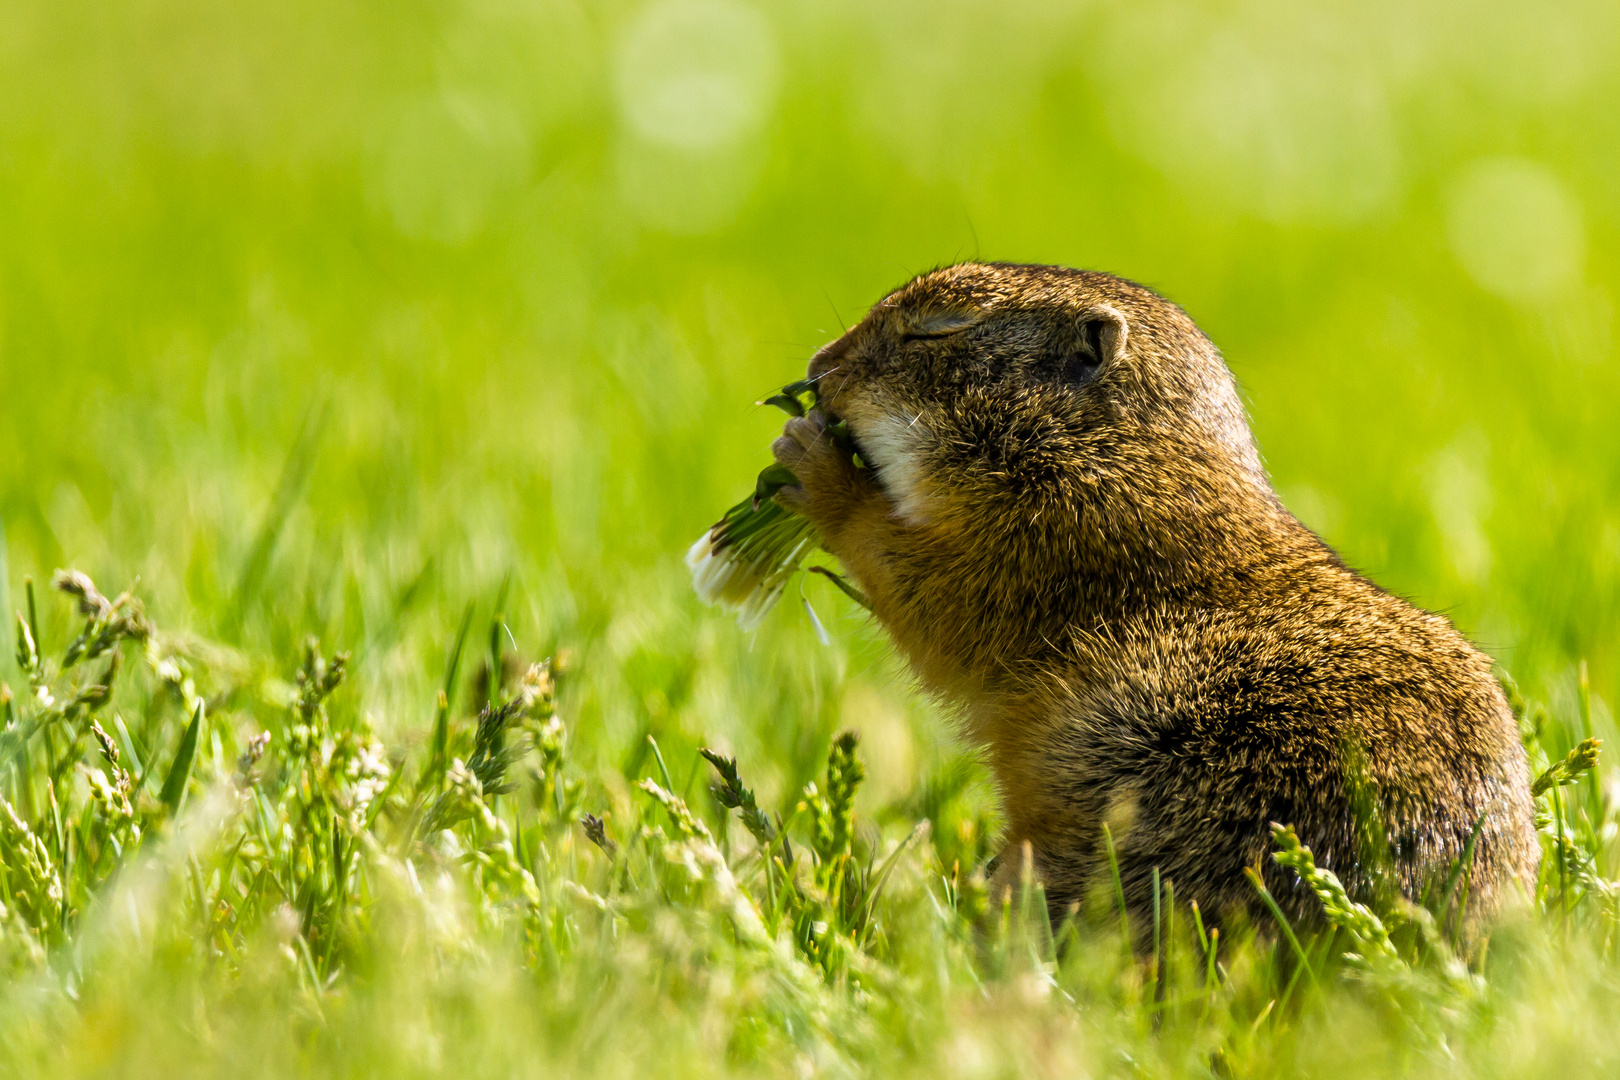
(1282, 921)
(294, 474)
(174, 785)
(1119, 886)
(843, 586)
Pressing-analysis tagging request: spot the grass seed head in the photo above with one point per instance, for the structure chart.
(34, 883)
(76, 583)
(1567, 771)
(687, 823)
(596, 833)
(27, 649)
(731, 793)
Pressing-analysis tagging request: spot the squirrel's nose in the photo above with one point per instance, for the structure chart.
(828, 358)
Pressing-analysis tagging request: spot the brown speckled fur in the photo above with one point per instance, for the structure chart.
(1067, 530)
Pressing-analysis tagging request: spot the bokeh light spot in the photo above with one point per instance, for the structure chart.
(697, 74)
(1516, 229)
(1265, 108)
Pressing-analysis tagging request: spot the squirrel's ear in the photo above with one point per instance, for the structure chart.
(1099, 341)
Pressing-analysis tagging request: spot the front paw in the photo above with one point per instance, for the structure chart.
(830, 485)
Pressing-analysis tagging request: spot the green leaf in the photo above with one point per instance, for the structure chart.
(791, 399)
(787, 403)
(174, 785)
(771, 480)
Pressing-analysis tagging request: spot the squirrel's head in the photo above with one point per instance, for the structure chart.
(1059, 391)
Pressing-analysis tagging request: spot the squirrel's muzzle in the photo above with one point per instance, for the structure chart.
(827, 365)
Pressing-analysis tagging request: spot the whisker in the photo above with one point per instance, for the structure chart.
(834, 307)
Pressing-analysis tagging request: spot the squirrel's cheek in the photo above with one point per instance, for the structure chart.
(894, 447)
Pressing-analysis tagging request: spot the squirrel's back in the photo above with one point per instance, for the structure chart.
(1317, 701)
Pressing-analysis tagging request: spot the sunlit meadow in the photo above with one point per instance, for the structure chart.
(429, 334)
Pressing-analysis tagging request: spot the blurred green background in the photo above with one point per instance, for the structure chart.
(328, 317)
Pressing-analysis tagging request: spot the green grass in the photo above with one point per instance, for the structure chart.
(432, 332)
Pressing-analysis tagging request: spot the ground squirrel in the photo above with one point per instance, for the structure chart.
(1063, 522)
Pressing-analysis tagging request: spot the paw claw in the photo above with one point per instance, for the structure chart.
(786, 451)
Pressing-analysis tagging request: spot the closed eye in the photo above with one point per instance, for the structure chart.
(943, 325)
